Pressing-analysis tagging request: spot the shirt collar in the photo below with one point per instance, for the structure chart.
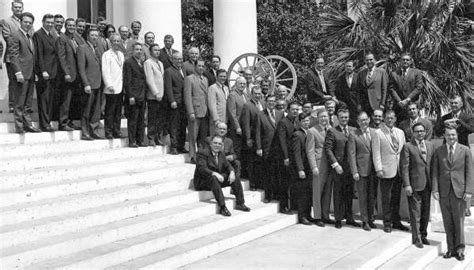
(454, 146)
(46, 31)
(24, 32)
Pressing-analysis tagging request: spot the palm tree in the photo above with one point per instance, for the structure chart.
(435, 33)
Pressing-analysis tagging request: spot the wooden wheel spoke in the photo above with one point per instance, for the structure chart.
(284, 80)
(284, 71)
(247, 61)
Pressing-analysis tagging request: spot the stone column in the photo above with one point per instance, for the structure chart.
(235, 29)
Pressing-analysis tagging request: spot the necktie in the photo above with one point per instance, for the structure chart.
(451, 154)
(331, 122)
(346, 132)
(323, 83)
(272, 116)
(423, 150)
(394, 140)
(367, 137)
(216, 158)
(29, 40)
(369, 75)
(74, 44)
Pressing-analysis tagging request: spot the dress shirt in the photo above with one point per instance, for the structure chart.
(321, 78)
(349, 79)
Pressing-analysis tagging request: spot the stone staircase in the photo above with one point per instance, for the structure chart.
(72, 204)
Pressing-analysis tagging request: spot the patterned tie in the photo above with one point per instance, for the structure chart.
(367, 137)
(272, 117)
(323, 83)
(346, 132)
(331, 122)
(395, 142)
(451, 154)
(423, 150)
(369, 76)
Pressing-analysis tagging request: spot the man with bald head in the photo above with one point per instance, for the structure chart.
(372, 84)
(189, 66)
(235, 104)
(281, 92)
(126, 43)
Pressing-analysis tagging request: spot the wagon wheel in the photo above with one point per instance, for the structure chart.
(285, 73)
(258, 64)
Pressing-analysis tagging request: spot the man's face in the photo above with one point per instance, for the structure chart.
(240, 84)
(304, 123)
(265, 85)
(248, 75)
(221, 77)
(257, 94)
(58, 24)
(26, 23)
(221, 130)
(200, 67)
(93, 37)
(451, 136)
(456, 104)
(323, 118)
(123, 31)
(193, 54)
(215, 63)
(101, 25)
(155, 52)
(178, 60)
(136, 28)
(406, 61)
(363, 120)
(115, 41)
(319, 64)
(349, 68)
(281, 91)
(370, 61)
(330, 108)
(17, 9)
(413, 111)
(48, 24)
(149, 39)
(110, 31)
(70, 27)
(137, 51)
(390, 120)
(216, 144)
(169, 42)
(280, 105)
(81, 27)
(293, 112)
(419, 132)
(271, 101)
(377, 117)
(343, 118)
(307, 108)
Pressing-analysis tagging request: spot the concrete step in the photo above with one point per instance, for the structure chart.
(146, 243)
(186, 253)
(439, 263)
(50, 247)
(7, 124)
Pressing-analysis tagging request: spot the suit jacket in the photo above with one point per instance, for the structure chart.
(188, 68)
(465, 127)
(126, 47)
(228, 149)
(300, 159)
(46, 59)
(315, 145)
(248, 120)
(406, 125)
(387, 159)
(112, 71)
(10, 26)
(217, 102)
(414, 170)
(285, 129)
(154, 73)
(360, 152)
(265, 131)
(374, 93)
(459, 174)
(66, 53)
(336, 145)
(206, 165)
(347, 94)
(210, 75)
(315, 92)
(235, 104)
(79, 39)
(22, 54)
(134, 81)
(174, 85)
(89, 65)
(409, 86)
(166, 59)
(195, 95)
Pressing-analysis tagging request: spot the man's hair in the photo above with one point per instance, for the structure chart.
(360, 114)
(319, 56)
(201, 60)
(216, 56)
(369, 53)
(342, 110)
(390, 112)
(329, 101)
(216, 136)
(122, 26)
(135, 22)
(294, 103)
(303, 115)
(100, 19)
(220, 123)
(137, 44)
(58, 16)
(47, 16)
(168, 36)
(321, 111)
(406, 54)
(377, 110)
(270, 96)
(79, 20)
(70, 20)
(92, 30)
(350, 61)
(306, 101)
(147, 33)
(27, 14)
(413, 103)
(418, 124)
(450, 127)
(113, 35)
(17, 2)
(153, 46)
(255, 88)
(221, 70)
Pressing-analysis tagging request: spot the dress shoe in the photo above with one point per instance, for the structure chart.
(242, 207)
(387, 229)
(468, 212)
(253, 189)
(460, 256)
(400, 226)
(32, 129)
(366, 227)
(87, 138)
(142, 144)
(418, 244)
(47, 129)
(372, 225)
(133, 145)
(173, 151)
(224, 211)
(29, 110)
(352, 223)
(151, 143)
(192, 161)
(338, 224)
(425, 241)
(305, 221)
(11, 110)
(267, 200)
(183, 151)
(97, 136)
(448, 255)
(66, 128)
(328, 221)
(286, 211)
(319, 223)
(20, 131)
(109, 137)
(71, 125)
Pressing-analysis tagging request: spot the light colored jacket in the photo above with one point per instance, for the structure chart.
(112, 71)
(386, 158)
(154, 72)
(217, 102)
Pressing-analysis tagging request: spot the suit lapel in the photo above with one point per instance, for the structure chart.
(28, 43)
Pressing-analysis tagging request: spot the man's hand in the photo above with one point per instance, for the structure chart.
(339, 169)
(436, 195)
(158, 98)
(403, 103)
(192, 117)
(315, 171)
(238, 131)
(327, 97)
(67, 78)
(219, 177)
(174, 105)
(109, 89)
(250, 143)
(45, 75)
(87, 89)
(301, 175)
(382, 107)
(131, 101)
(356, 177)
(409, 190)
(286, 162)
(231, 177)
(229, 157)
(259, 152)
(380, 174)
(20, 78)
(467, 196)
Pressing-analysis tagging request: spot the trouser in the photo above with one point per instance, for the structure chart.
(91, 112)
(211, 183)
(268, 174)
(452, 211)
(113, 114)
(45, 94)
(236, 142)
(197, 129)
(22, 94)
(12, 87)
(327, 184)
(317, 195)
(254, 167)
(302, 189)
(419, 208)
(66, 90)
(282, 183)
(178, 127)
(156, 119)
(390, 189)
(367, 191)
(343, 192)
(135, 122)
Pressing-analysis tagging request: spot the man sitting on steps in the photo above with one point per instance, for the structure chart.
(213, 172)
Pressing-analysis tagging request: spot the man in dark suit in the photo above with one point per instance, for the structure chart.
(460, 119)
(22, 57)
(134, 86)
(189, 66)
(346, 91)
(319, 83)
(213, 172)
(211, 72)
(405, 85)
(46, 70)
(195, 100)
(302, 175)
(80, 31)
(413, 118)
(308, 109)
(174, 89)
(372, 83)
(453, 186)
(89, 66)
(360, 147)
(166, 54)
(66, 48)
(415, 161)
(264, 135)
(282, 142)
(335, 147)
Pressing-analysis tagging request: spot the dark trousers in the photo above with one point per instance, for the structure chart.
(156, 119)
(419, 208)
(113, 114)
(66, 90)
(178, 124)
(343, 192)
(390, 189)
(90, 112)
(254, 167)
(135, 122)
(302, 191)
(282, 183)
(268, 174)
(22, 94)
(367, 191)
(198, 129)
(237, 143)
(327, 186)
(45, 94)
(211, 183)
(452, 211)
(11, 85)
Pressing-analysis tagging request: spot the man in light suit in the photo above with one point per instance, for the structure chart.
(360, 147)
(386, 161)
(330, 107)
(89, 57)
(415, 162)
(453, 185)
(308, 109)
(22, 57)
(319, 83)
(166, 54)
(315, 152)
(217, 101)
(126, 42)
(335, 147)
(195, 100)
(189, 66)
(372, 83)
(414, 117)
